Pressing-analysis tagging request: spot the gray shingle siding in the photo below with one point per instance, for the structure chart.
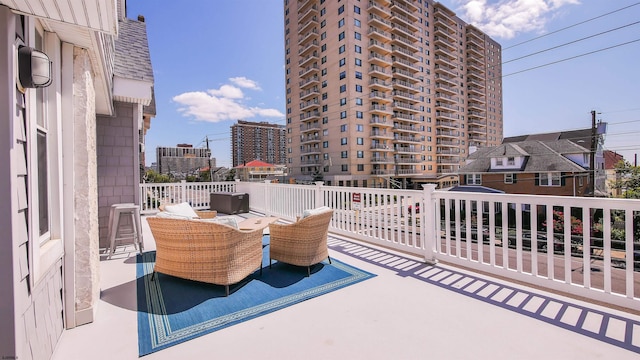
(132, 59)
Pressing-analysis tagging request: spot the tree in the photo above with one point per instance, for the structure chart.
(627, 180)
(154, 177)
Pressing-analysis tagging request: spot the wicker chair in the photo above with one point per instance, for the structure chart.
(205, 251)
(303, 243)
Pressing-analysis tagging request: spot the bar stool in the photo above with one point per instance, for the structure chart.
(124, 224)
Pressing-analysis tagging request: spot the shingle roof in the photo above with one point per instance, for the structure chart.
(132, 59)
(542, 156)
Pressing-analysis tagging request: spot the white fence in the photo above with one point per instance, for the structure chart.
(596, 256)
(197, 194)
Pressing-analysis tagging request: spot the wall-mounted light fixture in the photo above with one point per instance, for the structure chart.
(34, 68)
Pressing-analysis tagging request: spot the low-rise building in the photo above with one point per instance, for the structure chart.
(558, 167)
(257, 170)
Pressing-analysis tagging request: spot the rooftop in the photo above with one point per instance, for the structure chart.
(410, 310)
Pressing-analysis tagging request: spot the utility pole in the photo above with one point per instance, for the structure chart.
(592, 157)
(209, 159)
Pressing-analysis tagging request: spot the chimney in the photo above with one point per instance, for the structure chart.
(140, 18)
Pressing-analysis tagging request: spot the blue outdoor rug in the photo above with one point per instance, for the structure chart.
(173, 310)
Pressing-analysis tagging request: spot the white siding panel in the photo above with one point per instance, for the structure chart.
(23, 260)
(79, 13)
(50, 9)
(21, 159)
(93, 15)
(66, 14)
(22, 193)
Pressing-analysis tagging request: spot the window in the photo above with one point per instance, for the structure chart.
(323, 48)
(358, 75)
(356, 9)
(325, 144)
(498, 161)
(343, 88)
(343, 101)
(509, 178)
(323, 23)
(343, 61)
(511, 161)
(360, 167)
(549, 179)
(341, 36)
(359, 88)
(356, 22)
(358, 36)
(474, 179)
(343, 127)
(343, 141)
(341, 23)
(343, 74)
(358, 101)
(360, 154)
(340, 9)
(343, 115)
(345, 167)
(341, 49)
(359, 115)
(358, 62)
(344, 154)
(360, 141)
(359, 128)
(358, 49)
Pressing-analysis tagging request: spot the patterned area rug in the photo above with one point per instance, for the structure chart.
(173, 310)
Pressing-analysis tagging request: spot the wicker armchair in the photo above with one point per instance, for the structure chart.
(303, 243)
(205, 251)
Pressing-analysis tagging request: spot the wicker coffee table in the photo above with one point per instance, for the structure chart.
(256, 223)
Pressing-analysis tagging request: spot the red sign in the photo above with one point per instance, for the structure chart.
(355, 197)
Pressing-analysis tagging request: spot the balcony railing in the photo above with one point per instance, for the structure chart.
(520, 237)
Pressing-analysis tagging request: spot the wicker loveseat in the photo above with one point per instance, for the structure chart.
(303, 243)
(205, 251)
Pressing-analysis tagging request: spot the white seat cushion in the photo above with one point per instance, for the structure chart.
(224, 220)
(182, 209)
(315, 211)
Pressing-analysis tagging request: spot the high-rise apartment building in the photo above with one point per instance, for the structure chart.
(257, 141)
(183, 160)
(386, 92)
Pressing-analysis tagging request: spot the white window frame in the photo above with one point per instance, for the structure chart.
(508, 178)
(551, 179)
(474, 179)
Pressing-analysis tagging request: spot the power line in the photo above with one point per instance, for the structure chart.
(571, 58)
(569, 43)
(570, 26)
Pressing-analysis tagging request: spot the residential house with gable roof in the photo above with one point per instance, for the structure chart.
(558, 167)
(76, 91)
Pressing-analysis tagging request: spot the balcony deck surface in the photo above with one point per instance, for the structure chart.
(410, 310)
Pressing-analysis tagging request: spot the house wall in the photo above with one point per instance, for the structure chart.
(118, 175)
(526, 184)
(31, 303)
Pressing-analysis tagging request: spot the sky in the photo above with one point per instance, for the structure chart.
(216, 62)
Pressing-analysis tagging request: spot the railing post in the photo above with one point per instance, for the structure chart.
(318, 198)
(267, 196)
(429, 236)
(183, 190)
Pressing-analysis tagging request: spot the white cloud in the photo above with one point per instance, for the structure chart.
(506, 18)
(224, 103)
(245, 83)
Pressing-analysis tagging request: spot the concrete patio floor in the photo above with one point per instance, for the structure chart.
(410, 310)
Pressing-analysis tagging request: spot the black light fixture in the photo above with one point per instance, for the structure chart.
(34, 68)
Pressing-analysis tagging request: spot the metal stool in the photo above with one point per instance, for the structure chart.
(124, 224)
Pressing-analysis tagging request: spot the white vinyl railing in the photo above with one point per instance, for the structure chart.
(197, 194)
(596, 256)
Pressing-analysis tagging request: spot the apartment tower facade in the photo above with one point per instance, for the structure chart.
(257, 141)
(385, 93)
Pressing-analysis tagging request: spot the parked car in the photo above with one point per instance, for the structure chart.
(622, 264)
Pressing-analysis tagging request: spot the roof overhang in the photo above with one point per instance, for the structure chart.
(98, 15)
(132, 91)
